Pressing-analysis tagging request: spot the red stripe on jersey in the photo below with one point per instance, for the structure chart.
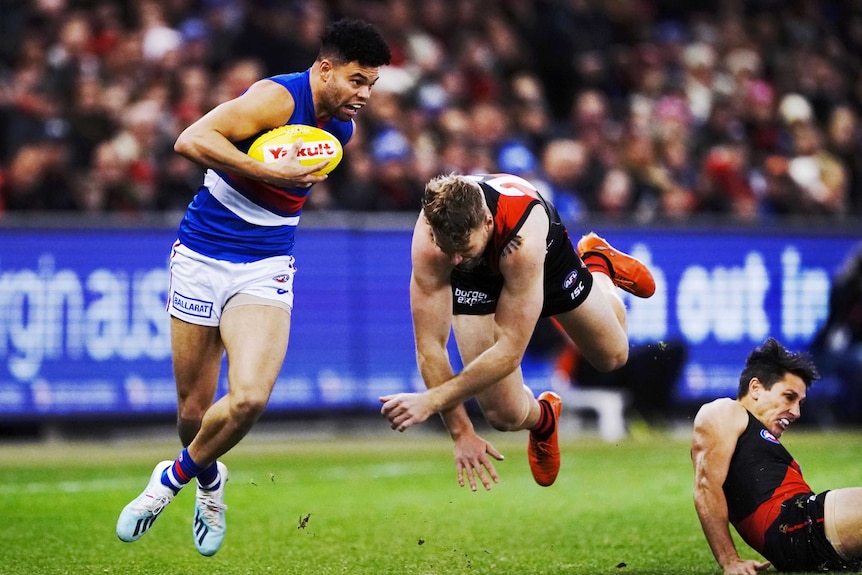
(753, 528)
(512, 212)
(273, 198)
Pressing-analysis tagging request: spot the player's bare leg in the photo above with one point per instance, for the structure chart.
(598, 326)
(197, 353)
(843, 521)
(255, 338)
(506, 405)
(197, 357)
(509, 405)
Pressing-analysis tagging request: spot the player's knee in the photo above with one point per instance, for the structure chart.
(189, 416)
(502, 424)
(611, 360)
(503, 420)
(246, 408)
(188, 425)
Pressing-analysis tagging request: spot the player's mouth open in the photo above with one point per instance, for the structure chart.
(784, 423)
(353, 108)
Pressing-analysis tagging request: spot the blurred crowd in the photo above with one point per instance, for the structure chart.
(651, 110)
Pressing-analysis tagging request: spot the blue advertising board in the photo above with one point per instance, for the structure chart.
(722, 292)
(83, 327)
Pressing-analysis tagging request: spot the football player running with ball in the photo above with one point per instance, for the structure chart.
(232, 267)
(490, 256)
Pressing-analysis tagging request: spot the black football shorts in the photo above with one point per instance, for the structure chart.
(567, 284)
(796, 541)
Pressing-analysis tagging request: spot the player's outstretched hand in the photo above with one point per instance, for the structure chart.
(745, 567)
(471, 461)
(406, 409)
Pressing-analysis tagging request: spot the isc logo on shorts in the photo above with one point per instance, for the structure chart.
(569, 283)
(191, 306)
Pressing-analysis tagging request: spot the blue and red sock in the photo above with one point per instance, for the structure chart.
(209, 479)
(184, 469)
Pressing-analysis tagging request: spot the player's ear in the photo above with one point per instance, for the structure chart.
(754, 388)
(324, 68)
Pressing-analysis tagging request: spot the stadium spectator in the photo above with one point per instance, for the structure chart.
(629, 70)
(615, 196)
(819, 175)
(564, 175)
(37, 175)
(676, 178)
(763, 130)
(844, 140)
(646, 175)
(530, 113)
(393, 177)
(726, 188)
(744, 477)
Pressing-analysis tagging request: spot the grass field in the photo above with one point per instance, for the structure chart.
(379, 504)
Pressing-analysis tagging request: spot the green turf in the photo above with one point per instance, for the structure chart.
(381, 504)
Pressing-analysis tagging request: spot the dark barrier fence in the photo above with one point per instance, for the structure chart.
(83, 327)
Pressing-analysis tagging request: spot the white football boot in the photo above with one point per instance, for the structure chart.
(208, 528)
(138, 516)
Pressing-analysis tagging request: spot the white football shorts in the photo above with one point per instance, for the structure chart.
(202, 287)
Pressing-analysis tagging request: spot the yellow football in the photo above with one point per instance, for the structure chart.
(317, 145)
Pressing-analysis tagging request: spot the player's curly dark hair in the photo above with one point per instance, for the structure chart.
(351, 40)
(453, 207)
(771, 361)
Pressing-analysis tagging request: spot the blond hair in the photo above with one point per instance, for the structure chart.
(453, 207)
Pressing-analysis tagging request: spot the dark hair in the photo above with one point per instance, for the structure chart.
(348, 40)
(771, 362)
(453, 207)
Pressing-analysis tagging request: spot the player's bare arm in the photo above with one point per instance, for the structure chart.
(265, 105)
(518, 309)
(717, 428)
(431, 304)
(431, 308)
(431, 293)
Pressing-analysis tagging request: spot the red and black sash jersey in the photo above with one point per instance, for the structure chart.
(762, 475)
(510, 200)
